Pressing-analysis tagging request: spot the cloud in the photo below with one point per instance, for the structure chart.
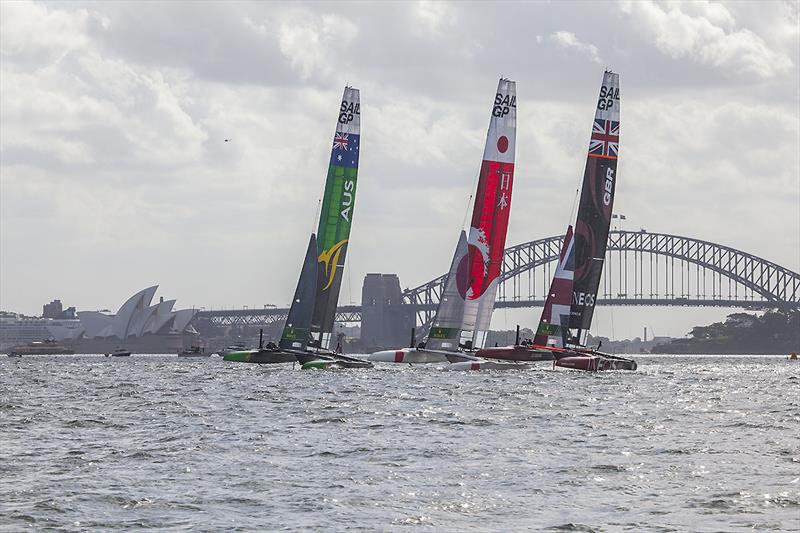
(313, 43)
(113, 125)
(568, 41)
(706, 33)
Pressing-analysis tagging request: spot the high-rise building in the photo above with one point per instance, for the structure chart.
(52, 310)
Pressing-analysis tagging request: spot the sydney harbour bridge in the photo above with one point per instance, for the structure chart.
(641, 268)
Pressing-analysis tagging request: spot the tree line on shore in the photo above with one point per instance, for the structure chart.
(774, 332)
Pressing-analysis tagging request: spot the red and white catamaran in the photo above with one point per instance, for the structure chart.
(465, 308)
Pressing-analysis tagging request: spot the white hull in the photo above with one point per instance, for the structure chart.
(488, 365)
(408, 355)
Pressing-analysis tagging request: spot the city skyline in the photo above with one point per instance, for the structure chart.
(137, 151)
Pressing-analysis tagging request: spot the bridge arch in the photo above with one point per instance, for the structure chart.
(768, 284)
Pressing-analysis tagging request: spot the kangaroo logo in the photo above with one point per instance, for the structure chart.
(330, 258)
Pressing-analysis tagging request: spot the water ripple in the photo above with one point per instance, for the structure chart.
(686, 443)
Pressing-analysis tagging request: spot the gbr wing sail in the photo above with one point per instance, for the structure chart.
(596, 203)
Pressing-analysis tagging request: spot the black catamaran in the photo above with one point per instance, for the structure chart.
(307, 332)
(591, 232)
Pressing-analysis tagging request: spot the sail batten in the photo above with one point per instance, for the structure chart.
(336, 216)
(596, 203)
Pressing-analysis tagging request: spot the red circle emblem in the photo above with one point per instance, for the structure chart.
(502, 144)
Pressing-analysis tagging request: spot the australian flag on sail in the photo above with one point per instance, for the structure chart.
(605, 138)
(345, 150)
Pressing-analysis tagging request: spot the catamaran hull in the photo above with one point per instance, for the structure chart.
(407, 355)
(595, 363)
(325, 364)
(329, 359)
(261, 357)
(488, 365)
(516, 353)
(420, 355)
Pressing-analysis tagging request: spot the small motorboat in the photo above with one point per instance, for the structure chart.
(119, 352)
(193, 351)
(235, 347)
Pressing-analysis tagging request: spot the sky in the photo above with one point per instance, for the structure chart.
(115, 174)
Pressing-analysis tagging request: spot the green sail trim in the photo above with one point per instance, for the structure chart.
(336, 216)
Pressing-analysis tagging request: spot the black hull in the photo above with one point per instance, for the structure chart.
(263, 357)
(342, 360)
(594, 361)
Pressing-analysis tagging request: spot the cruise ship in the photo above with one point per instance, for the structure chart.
(17, 329)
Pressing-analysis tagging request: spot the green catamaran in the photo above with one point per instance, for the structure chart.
(307, 333)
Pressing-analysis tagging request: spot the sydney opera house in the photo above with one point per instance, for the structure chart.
(139, 325)
(136, 318)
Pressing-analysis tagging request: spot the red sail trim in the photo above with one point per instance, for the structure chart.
(489, 226)
(551, 325)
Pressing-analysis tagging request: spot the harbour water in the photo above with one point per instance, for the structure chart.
(157, 442)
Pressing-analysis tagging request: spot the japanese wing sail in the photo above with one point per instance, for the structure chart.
(298, 324)
(597, 201)
(336, 215)
(553, 326)
(446, 329)
(480, 269)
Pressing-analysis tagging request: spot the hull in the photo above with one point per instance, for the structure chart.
(407, 355)
(331, 358)
(261, 357)
(518, 353)
(594, 362)
(488, 365)
(420, 355)
(41, 350)
(325, 364)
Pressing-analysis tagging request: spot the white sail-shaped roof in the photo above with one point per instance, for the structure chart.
(136, 317)
(135, 304)
(140, 320)
(182, 319)
(161, 317)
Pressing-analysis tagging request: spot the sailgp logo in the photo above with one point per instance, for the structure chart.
(348, 111)
(503, 104)
(330, 258)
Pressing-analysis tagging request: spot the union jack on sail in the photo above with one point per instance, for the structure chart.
(605, 138)
(340, 141)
